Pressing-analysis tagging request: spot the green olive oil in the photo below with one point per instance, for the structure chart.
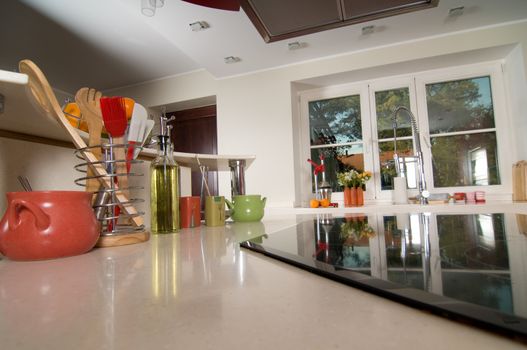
(164, 186)
(164, 198)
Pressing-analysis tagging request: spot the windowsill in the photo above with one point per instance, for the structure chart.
(489, 206)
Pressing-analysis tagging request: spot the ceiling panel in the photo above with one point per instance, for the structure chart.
(360, 8)
(278, 19)
(283, 17)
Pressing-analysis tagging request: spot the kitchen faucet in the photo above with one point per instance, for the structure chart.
(423, 192)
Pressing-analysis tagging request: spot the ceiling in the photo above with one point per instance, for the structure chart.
(109, 44)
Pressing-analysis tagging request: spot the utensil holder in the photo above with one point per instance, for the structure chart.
(116, 228)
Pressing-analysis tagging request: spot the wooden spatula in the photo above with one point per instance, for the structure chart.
(88, 101)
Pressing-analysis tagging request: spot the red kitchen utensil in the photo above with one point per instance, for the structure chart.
(114, 117)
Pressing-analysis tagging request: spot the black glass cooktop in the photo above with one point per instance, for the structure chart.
(471, 266)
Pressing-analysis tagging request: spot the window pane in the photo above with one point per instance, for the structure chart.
(335, 120)
(460, 105)
(387, 165)
(465, 160)
(385, 102)
(337, 159)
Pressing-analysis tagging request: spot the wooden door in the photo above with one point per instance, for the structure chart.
(194, 131)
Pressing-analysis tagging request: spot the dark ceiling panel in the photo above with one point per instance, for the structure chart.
(283, 19)
(360, 8)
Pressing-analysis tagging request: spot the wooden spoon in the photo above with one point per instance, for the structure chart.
(88, 101)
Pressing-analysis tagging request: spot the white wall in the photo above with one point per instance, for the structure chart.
(47, 167)
(516, 91)
(255, 111)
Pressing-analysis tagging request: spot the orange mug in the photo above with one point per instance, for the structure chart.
(190, 211)
(48, 224)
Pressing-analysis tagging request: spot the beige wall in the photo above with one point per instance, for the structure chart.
(255, 111)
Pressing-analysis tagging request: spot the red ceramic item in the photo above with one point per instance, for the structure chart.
(190, 211)
(48, 225)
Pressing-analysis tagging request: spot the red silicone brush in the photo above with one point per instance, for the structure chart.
(114, 117)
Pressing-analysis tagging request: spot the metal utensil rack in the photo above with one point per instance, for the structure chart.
(116, 228)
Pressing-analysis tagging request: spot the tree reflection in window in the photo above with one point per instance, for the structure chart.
(336, 122)
(462, 129)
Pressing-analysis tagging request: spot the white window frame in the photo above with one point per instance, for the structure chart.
(383, 85)
(416, 82)
(307, 96)
(501, 121)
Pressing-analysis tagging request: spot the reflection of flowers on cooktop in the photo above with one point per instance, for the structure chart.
(467, 255)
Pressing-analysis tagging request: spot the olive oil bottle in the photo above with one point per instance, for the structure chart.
(164, 186)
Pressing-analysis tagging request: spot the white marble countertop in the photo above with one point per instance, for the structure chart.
(198, 289)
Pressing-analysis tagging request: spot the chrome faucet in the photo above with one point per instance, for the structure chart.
(423, 192)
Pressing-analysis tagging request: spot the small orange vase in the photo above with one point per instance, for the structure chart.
(353, 197)
(347, 196)
(360, 196)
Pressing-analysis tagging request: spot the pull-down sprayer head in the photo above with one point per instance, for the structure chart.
(423, 192)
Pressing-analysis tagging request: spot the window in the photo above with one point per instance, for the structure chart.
(335, 129)
(457, 117)
(336, 135)
(390, 141)
(462, 133)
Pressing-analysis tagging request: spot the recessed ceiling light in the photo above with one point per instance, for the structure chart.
(197, 26)
(456, 11)
(232, 59)
(368, 30)
(295, 45)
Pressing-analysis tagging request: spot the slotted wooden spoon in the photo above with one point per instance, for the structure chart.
(88, 101)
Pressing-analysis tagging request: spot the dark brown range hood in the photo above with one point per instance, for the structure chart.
(283, 19)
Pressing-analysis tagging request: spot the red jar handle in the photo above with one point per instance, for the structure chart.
(41, 219)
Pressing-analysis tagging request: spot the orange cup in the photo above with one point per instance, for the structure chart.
(189, 211)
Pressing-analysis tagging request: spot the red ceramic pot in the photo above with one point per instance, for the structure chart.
(47, 225)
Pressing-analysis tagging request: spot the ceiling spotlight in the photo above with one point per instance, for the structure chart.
(232, 59)
(197, 26)
(368, 30)
(295, 45)
(148, 8)
(456, 11)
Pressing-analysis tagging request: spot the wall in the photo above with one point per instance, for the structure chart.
(255, 111)
(47, 167)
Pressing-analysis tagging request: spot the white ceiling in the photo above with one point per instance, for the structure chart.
(109, 44)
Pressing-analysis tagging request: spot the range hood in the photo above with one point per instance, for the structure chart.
(278, 19)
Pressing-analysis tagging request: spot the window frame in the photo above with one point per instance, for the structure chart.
(384, 84)
(416, 82)
(329, 93)
(501, 123)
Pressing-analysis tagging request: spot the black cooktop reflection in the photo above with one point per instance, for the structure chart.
(470, 266)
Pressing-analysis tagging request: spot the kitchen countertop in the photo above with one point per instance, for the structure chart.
(198, 289)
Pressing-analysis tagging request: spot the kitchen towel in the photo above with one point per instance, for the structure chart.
(399, 190)
(403, 221)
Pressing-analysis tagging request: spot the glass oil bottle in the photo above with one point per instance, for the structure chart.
(164, 185)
